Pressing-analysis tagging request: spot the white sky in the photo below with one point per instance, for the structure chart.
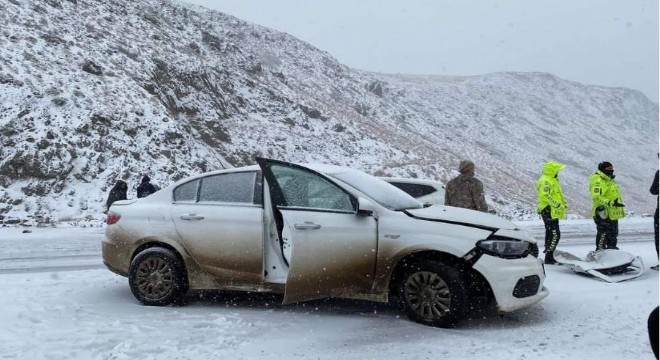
(601, 42)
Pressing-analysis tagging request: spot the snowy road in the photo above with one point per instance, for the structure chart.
(59, 302)
(50, 249)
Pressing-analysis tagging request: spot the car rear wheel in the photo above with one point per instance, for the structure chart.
(432, 293)
(157, 277)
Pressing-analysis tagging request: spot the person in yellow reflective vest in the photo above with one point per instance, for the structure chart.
(607, 206)
(551, 206)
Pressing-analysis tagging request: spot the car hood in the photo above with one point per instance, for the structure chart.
(463, 216)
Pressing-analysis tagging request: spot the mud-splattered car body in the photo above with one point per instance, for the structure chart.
(317, 231)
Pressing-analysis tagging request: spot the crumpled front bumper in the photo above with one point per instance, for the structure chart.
(516, 283)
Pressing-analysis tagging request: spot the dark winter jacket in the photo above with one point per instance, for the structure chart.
(654, 187)
(467, 192)
(118, 192)
(145, 188)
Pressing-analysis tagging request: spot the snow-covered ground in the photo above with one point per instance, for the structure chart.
(58, 302)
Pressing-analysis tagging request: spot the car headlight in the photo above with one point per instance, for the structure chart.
(505, 248)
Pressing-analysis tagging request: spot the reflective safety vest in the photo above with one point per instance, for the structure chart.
(604, 191)
(549, 191)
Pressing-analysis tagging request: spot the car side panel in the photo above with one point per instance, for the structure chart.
(225, 240)
(141, 222)
(400, 235)
(149, 221)
(335, 259)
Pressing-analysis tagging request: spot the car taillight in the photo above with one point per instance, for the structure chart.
(112, 218)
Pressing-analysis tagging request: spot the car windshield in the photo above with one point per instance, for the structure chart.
(378, 190)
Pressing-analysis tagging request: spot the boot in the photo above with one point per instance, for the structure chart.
(549, 259)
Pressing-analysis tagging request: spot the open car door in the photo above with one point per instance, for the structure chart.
(329, 247)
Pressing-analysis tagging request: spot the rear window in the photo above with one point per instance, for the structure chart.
(186, 192)
(415, 190)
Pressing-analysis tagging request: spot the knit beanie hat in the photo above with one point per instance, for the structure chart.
(604, 165)
(465, 166)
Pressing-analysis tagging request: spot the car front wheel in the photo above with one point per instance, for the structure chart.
(432, 293)
(156, 277)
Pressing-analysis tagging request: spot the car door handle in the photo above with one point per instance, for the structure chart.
(307, 225)
(191, 217)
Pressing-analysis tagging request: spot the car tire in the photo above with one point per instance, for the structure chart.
(432, 293)
(157, 277)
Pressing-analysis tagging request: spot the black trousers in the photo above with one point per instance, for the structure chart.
(552, 233)
(607, 232)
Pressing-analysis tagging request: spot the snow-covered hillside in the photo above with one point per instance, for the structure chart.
(92, 91)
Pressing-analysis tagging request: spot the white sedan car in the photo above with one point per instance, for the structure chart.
(317, 231)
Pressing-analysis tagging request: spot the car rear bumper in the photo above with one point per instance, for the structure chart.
(516, 283)
(114, 258)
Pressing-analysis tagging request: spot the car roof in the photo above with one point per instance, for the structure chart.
(327, 169)
(321, 168)
(222, 171)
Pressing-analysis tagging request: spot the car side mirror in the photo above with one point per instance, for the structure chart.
(365, 207)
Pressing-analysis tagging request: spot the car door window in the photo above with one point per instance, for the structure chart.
(229, 188)
(307, 190)
(186, 192)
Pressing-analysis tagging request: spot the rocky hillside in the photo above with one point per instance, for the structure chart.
(93, 91)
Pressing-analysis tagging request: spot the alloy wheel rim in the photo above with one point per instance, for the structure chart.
(154, 278)
(428, 295)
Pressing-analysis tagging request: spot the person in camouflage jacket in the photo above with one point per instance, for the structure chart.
(465, 190)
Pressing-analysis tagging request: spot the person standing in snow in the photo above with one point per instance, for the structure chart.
(465, 190)
(551, 206)
(654, 191)
(145, 188)
(607, 206)
(118, 192)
